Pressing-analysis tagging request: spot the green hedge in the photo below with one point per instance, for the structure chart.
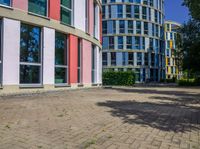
(119, 78)
(191, 82)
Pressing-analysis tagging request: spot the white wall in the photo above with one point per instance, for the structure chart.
(48, 56)
(79, 14)
(11, 51)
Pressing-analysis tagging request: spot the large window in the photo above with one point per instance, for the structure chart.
(119, 11)
(0, 51)
(137, 11)
(30, 55)
(79, 61)
(120, 42)
(121, 26)
(111, 42)
(104, 57)
(130, 27)
(113, 58)
(86, 16)
(128, 11)
(66, 11)
(93, 64)
(38, 7)
(61, 59)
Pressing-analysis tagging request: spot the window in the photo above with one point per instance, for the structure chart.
(114, 27)
(103, 12)
(66, 11)
(128, 11)
(139, 59)
(146, 59)
(30, 55)
(0, 52)
(61, 59)
(111, 42)
(119, 11)
(137, 43)
(156, 16)
(5, 2)
(152, 59)
(104, 26)
(120, 42)
(136, 11)
(121, 26)
(151, 44)
(38, 7)
(145, 2)
(151, 3)
(109, 11)
(130, 58)
(128, 42)
(79, 61)
(138, 27)
(113, 58)
(146, 28)
(105, 62)
(149, 14)
(143, 43)
(130, 27)
(93, 64)
(144, 13)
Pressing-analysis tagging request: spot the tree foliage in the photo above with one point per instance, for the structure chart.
(194, 8)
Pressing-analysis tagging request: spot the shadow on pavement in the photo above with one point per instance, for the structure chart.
(167, 116)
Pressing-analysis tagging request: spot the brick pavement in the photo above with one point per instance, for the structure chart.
(135, 118)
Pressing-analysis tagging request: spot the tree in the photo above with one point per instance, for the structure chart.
(194, 8)
(191, 45)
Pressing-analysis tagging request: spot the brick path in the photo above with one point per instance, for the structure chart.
(154, 118)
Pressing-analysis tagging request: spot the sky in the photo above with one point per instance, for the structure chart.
(175, 11)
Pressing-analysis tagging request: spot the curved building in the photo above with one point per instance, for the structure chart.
(172, 70)
(49, 44)
(133, 38)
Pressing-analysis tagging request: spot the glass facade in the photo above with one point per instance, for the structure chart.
(61, 59)
(30, 55)
(39, 7)
(133, 37)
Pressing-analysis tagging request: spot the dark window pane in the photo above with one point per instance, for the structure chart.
(60, 49)
(30, 44)
(29, 74)
(60, 75)
(38, 7)
(66, 16)
(66, 3)
(5, 2)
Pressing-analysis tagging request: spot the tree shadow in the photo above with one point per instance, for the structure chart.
(163, 116)
(160, 92)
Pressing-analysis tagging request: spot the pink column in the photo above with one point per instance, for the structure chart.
(87, 62)
(20, 4)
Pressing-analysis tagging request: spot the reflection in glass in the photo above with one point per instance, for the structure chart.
(60, 75)
(5, 2)
(30, 44)
(38, 7)
(29, 74)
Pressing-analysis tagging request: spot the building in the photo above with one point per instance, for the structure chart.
(133, 38)
(50, 44)
(171, 49)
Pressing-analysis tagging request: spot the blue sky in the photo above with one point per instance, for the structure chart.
(175, 11)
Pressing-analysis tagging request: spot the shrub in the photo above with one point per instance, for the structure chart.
(119, 78)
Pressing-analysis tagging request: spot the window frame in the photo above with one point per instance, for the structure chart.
(1, 51)
(66, 67)
(72, 13)
(47, 10)
(33, 64)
